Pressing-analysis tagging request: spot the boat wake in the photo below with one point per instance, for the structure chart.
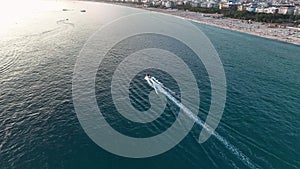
(160, 88)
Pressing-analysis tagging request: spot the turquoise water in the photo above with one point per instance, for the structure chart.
(39, 127)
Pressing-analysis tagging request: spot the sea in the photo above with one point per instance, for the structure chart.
(40, 44)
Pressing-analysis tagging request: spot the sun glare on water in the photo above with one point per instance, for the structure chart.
(15, 12)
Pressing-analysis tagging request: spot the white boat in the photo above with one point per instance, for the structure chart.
(152, 81)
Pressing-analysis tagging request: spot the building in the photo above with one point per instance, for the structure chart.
(195, 4)
(297, 10)
(212, 5)
(286, 10)
(179, 3)
(240, 7)
(230, 6)
(271, 10)
(251, 8)
(223, 6)
(169, 4)
(260, 9)
(203, 5)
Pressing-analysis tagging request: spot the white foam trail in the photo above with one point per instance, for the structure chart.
(162, 89)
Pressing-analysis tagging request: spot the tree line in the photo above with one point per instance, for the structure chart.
(245, 15)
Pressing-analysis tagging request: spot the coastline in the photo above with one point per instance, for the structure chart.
(288, 35)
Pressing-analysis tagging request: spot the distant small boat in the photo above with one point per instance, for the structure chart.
(66, 9)
(82, 10)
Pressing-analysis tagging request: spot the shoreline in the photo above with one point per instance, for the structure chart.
(255, 28)
(286, 35)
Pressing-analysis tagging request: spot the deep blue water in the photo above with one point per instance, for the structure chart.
(39, 127)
